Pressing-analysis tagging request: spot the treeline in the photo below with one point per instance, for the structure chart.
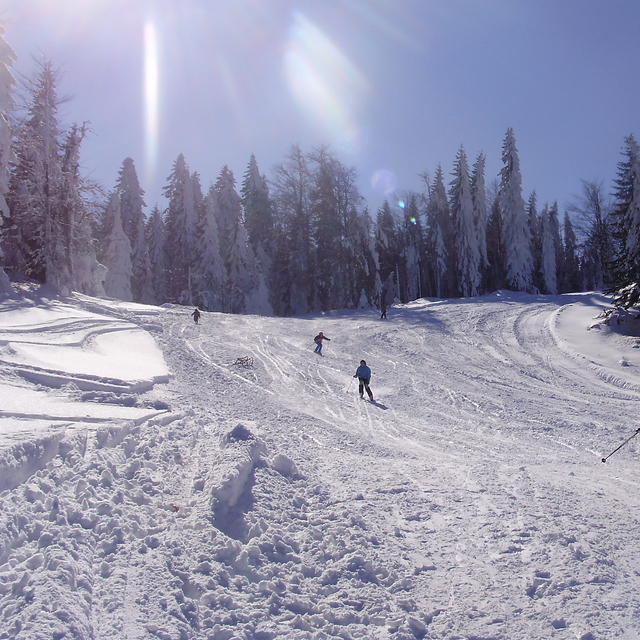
(302, 240)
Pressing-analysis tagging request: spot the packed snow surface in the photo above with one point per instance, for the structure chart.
(154, 487)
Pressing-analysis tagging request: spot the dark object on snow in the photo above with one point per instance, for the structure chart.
(363, 373)
(635, 433)
(318, 340)
(245, 361)
(383, 309)
(196, 316)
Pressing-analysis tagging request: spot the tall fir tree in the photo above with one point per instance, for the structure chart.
(366, 266)
(626, 223)
(132, 208)
(86, 275)
(35, 185)
(413, 248)
(334, 202)
(45, 194)
(155, 233)
(495, 274)
(245, 290)
(387, 242)
(117, 254)
(462, 212)
(258, 217)
(210, 270)
(293, 272)
(440, 245)
(7, 85)
(571, 276)
(517, 235)
(142, 274)
(548, 261)
(181, 228)
(479, 197)
(535, 227)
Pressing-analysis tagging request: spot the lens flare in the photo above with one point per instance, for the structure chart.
(325, 83)
(151, 98)
(384, 180)
(401, 204)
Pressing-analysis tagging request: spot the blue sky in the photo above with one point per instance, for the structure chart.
(394, 87)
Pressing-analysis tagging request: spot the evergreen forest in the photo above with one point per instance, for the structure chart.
(301, 238)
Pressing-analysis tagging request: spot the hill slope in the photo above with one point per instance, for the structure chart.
(269, 501)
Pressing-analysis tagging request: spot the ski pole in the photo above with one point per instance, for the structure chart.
(635, 433)
(349, 387)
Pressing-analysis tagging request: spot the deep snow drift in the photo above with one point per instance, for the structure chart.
(153, 488)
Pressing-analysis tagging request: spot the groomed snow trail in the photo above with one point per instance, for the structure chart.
(469, 502)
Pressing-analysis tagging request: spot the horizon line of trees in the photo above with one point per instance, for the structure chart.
(303, 240)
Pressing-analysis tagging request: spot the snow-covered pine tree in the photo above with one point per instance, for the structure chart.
(86, 274)
(35, 185)
(517, 235)
(548, 263)
(293, 279)
(229, 205)
(327, 230)
(535, 227)
(210, 272)
(462, 213)
(155, 232)
(479, 197)
(413, 247)
(554, 226)
(356, 248)
(334, 202)
(387, 242)
(494, 275)
(368, 285)
(245, 290)
(133, 218)
(117, 254)
(181, 228)
(440, 248)
(198, 199)
(7, 84)
(131, 199)
(571, 275)
(626, 223)
(142, 273)
(258, 217)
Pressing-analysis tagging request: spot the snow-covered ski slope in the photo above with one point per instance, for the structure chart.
(193, 498)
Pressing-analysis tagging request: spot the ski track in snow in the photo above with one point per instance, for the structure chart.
(270, 502)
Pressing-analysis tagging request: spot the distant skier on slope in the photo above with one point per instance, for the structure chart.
(318, 340)
(196, 316)
(363, 373)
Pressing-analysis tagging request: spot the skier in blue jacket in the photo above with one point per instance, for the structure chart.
(363, 373)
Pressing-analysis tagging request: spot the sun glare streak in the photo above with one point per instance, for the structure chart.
(326, 84)
(151, 99)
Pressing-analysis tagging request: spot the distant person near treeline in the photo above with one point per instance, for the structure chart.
(196, 316)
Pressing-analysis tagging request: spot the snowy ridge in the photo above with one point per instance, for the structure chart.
(610, 343)
(264, 502)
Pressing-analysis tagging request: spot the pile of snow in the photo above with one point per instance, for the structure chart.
(152, 488)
